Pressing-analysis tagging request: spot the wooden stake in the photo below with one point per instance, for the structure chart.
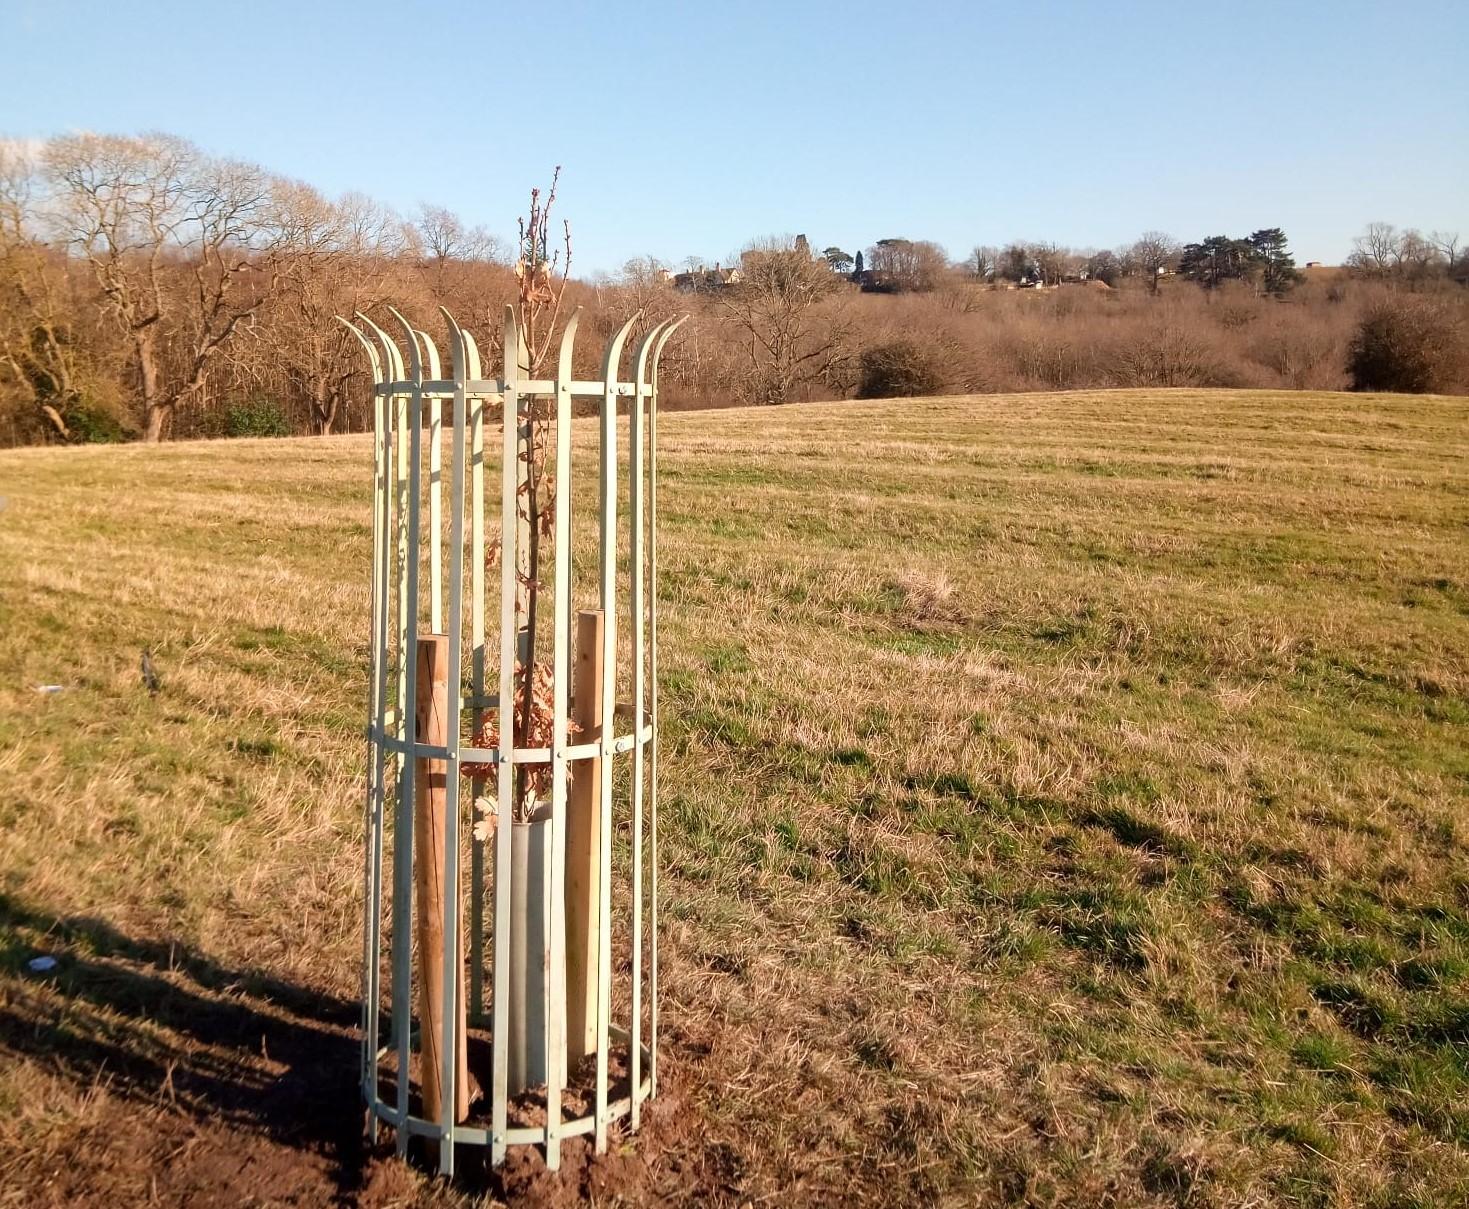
(432, 708)
(583, 845)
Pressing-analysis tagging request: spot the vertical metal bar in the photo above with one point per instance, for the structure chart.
(560, 693)
(400, 941)
(372, 833)
(436, 515)
(635, 609)
(382, 523)
(509, 509)
(635, 612)
(375, 606)
(608, 559)
(403, 829)
(454, 950)
(471, 367)
(653, 710)
(424, 354)
(477, 672)
(373, 905)
(396, 373)
(410, 719)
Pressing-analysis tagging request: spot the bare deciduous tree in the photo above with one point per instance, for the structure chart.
(37, 356)
(774, 306)
(1151, 254)
(1375, 251)
(1409, 256)
(909, 265)
(173, 239)
(1051, 260)
(647, 284)
(1103, 266)
(451, 255)
(983, 262)
(1447, 243)
(446, 237)
(541, 275)
(337, 269)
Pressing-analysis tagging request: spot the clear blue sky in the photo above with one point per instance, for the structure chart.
(691, 128)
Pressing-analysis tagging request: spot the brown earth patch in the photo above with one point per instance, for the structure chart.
(200, 1085)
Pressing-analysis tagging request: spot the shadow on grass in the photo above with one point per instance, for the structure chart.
(245, 1086)
(162, 1024)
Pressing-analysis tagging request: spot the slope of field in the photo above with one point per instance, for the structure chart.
(1065, 804)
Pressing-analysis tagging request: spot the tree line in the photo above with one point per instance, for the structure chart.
(149, 290)
(142, 280)
(1262, 259)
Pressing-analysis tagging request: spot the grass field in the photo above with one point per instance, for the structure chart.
(1065, 804)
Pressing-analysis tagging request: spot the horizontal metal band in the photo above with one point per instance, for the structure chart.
(446, 388)
(623, 712)
(477, 1135)
(467, 754)
(520, 1136)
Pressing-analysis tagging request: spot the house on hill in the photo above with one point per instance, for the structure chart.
(700, 281)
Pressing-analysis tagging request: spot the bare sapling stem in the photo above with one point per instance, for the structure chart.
(541, 275)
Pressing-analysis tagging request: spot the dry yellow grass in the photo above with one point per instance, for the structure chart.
(1064, 798)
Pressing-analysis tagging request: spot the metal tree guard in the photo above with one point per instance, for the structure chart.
(426, 714)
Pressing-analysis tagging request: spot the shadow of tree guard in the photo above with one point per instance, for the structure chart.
(158, 1023)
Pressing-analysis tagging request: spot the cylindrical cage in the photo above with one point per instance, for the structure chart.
(465, 1016)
